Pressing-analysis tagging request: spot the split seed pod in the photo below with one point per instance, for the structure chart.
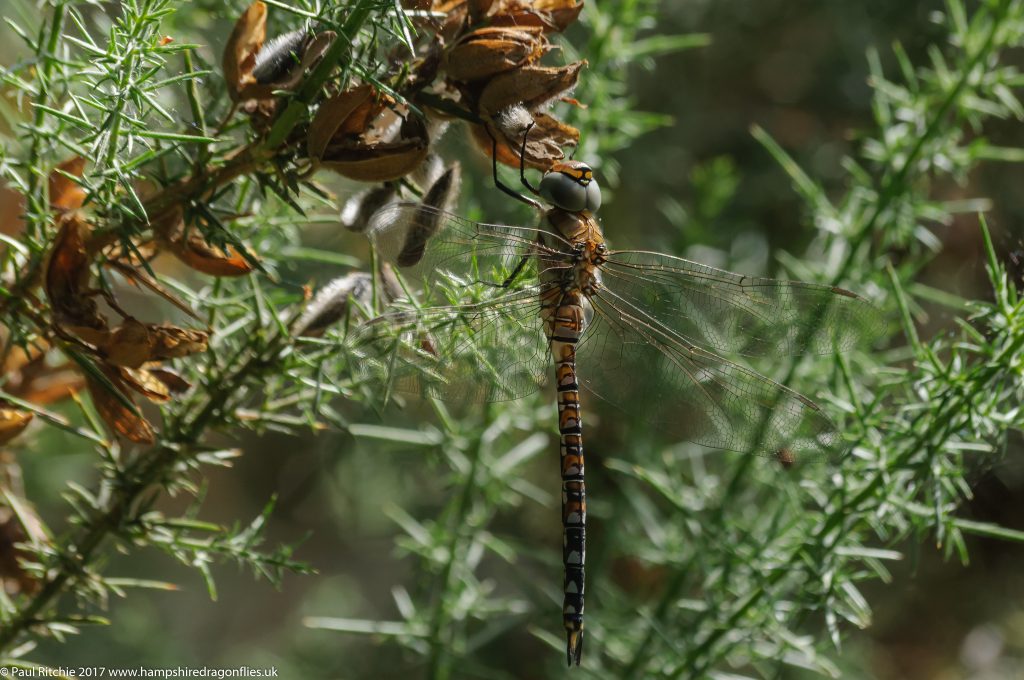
(428, 220)
(333, 302)
(240, 52)
(486, 52)
(530, 87)
(67, 277)
(189, 246)
(360, 136)
(118, 408)
(549, 15)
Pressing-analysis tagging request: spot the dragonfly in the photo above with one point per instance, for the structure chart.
(491, 307)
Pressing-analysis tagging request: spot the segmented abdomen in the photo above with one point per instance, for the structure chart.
(565, 325)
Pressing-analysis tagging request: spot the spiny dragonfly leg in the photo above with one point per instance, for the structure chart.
(511, 277)
(522, 162)
(497, 180)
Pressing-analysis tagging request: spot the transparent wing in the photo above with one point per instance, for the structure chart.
(476, 340)
(425, 243)
(628, 358)
(489, 351)
(741, 314)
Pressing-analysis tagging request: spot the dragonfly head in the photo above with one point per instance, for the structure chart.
(570, 185)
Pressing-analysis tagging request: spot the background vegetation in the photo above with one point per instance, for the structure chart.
(847, 143)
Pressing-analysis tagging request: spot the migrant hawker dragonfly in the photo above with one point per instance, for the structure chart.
(639, 329)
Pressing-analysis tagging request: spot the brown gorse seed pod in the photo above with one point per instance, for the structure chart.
(65, 193)
(240, 51)
(428, 220)
(549, 15)
(357, 211)
(67, 277)
(189, 246)
(333, 302)
(486, 52)
(118, 409)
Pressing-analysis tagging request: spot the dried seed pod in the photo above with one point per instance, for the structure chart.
(146, 384)
(544, 143)
(278, 56)
(240, 52)
(171, 342)
(379, 161)
(486, 52)
(530, 86)
(118, 410)
(357, 211)
(67, 276)
(174, 382)
(13, 422)
(332, 303)
(331, 118)
(427, 222)
(65, 194)
(129, 345)
(281, 64)
(550, 15)
(192, 249)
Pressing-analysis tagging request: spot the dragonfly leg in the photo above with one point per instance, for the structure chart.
(522, 162)
(510, 279)
(497, 180)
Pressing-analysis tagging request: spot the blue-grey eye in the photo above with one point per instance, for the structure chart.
(563, 191)
(593, 196)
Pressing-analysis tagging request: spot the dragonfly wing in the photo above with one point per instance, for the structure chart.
(741, 314)
(490, 350)
(428, 246)
(480, 336)
(627, 358)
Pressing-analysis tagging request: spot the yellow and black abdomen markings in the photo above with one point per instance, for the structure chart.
(565, 327)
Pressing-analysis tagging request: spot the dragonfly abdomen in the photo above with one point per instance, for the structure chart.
(565, 325)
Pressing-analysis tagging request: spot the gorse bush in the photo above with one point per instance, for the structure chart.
(213, 135)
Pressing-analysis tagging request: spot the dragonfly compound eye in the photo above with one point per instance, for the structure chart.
(564, 191)
(571, 186)
(593, 196)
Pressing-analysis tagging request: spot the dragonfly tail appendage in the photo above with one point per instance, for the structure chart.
(566, 327)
